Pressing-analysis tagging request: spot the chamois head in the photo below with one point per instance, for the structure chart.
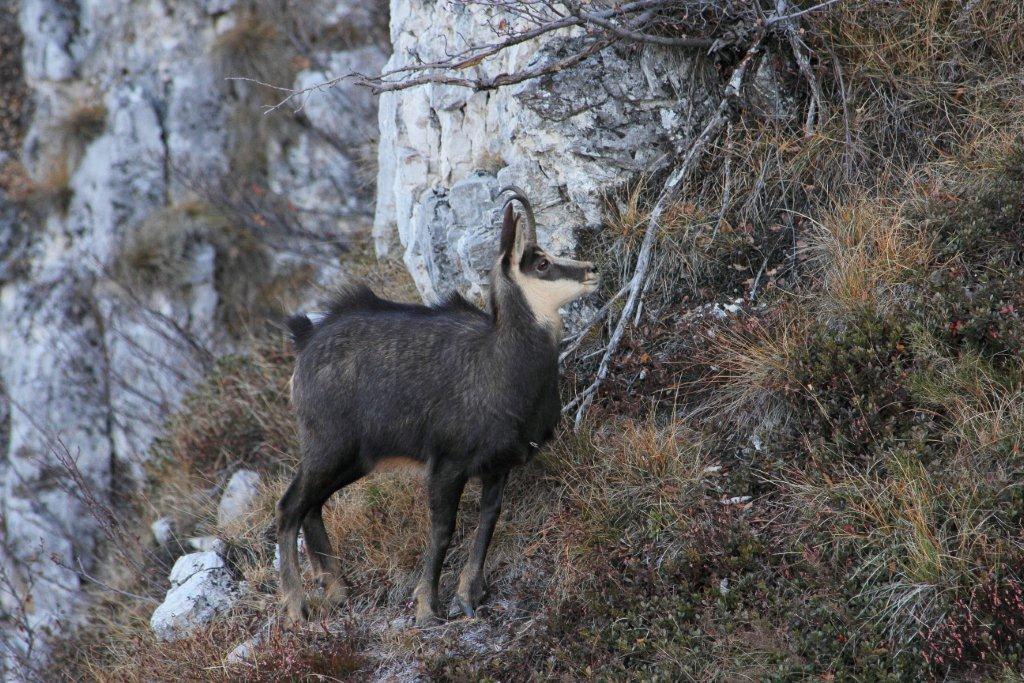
(546, 282)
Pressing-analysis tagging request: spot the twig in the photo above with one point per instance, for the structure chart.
(105, 586)
(668, 194)
(638, 36)
(757, 279)
(499, 81)
(597, 317)
(623, 22)
(847, 126)
(727, 187)
(803, 63)
(794, 15)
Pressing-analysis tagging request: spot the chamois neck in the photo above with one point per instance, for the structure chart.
(512, 314)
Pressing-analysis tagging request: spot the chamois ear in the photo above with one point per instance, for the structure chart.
(509, 225)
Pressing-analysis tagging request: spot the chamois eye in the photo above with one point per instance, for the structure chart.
(543, 264)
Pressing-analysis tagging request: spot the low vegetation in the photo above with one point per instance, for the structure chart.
(254, 47)
(822, 481)
(48, 189)
(81, 122)
(165, 252)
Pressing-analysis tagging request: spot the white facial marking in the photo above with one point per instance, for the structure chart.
(545, 297)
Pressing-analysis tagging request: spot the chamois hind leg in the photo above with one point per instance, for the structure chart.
(325, 563)
(316, 480)
(444, 490)
(471, 589)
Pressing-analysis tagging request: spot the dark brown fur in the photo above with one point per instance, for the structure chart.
(462, 391)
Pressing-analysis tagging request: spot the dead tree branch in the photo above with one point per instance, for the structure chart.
(577, 339)
(796, 44)
(665, 23)
(668, 195)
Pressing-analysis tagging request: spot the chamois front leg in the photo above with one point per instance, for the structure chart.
(471, 581)
(444, 492)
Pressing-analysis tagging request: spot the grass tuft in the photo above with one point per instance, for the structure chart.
(255, 47)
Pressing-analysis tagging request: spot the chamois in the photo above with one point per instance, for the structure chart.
(465, 392)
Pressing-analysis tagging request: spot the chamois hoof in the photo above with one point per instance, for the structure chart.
(427, 620)
(467, 607)
(470, 592)
(297, 614)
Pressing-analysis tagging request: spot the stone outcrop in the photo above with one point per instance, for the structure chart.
(202, 588)
(237, 500)
(567, 139)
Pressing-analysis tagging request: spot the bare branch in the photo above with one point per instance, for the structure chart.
(668, 194)
(630, 22)
(794, 15)
(498, 81)
(575, 341)
(797, 45)
(630, 33)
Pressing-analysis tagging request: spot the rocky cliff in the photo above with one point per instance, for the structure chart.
(150, 208)
(155, 207)
(567, 138)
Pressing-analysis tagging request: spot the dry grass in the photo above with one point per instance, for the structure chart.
(609, 477)
(915, 539)
(983, 408)
(158, 253)
(49, 189)
(81, 121)
(866, 256)
(161, 252)
(751, 372)
(240, 416)
(255, 47)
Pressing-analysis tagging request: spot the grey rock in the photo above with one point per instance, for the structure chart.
(163, 530)
(49, 29)
(218, 6)
(567, 139)
(238, 497)
(207, 544)
(188, 565)
(80, 356)
(242, 653)
(202, 588)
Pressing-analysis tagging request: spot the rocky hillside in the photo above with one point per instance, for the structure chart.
(151, 215)
(793, 433)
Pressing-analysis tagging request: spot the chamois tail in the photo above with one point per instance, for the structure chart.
(301, 328)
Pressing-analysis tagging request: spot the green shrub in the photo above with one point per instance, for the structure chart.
(975, 299)
(849, 385)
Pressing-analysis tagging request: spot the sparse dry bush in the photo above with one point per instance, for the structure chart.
(158, 253)
(255, 47)
(867, 258)
(83, 119)
(48, 189)
(161, 254)
(751, 371)
(239, 416)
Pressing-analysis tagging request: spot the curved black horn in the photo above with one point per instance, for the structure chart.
(520, 195)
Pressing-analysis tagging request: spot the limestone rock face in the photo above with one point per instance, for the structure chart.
(566, 139)
(133, 116)
(202, 587)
